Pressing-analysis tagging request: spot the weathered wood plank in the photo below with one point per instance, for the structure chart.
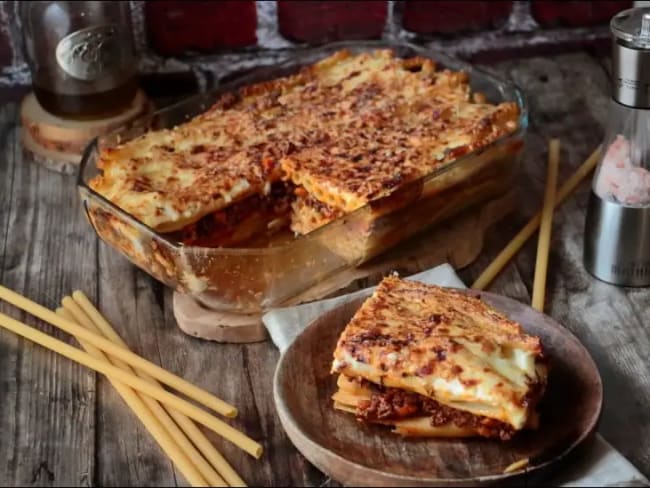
(557, 109)
(51, 414)
(141, 311)
(10, 345)
(127, 455)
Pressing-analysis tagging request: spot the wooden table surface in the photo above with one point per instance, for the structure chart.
(63, 425)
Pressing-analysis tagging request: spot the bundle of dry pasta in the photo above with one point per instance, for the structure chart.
(169, 418)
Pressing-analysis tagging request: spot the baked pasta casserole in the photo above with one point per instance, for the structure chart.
(301, 151)
(435, 362)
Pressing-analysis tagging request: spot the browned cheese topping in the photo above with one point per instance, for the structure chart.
(345, 131)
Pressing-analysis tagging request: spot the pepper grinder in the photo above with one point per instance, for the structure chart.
(617, 227)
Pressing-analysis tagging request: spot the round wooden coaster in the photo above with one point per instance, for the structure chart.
(198, 321)
(58, 143)
(63, 162)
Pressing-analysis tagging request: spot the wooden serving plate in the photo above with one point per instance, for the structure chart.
(370, 455)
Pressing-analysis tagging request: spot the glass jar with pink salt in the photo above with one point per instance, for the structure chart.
(620, 178)
(623, 175)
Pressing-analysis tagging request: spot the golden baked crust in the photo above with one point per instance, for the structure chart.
(366, 163)
(171, 178)
(348, 129)
(445, 345)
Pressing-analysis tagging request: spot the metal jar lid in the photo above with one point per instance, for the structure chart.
(631, 57)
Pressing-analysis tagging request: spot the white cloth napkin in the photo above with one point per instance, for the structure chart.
(599, 464)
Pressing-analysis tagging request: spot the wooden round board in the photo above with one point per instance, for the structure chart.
(58, 143)
(370, 455)
(196, 320)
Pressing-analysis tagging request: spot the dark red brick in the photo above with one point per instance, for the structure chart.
(318, 22)
(177, 27)
(450, 17)
(576, 14)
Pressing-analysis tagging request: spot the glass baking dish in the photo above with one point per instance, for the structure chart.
(254, 278)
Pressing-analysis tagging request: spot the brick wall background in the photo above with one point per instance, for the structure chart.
(197, 43)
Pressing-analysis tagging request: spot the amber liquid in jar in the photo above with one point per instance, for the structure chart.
(87, 105)
(81, 56)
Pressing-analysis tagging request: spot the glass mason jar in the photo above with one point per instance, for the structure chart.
(81, 56)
